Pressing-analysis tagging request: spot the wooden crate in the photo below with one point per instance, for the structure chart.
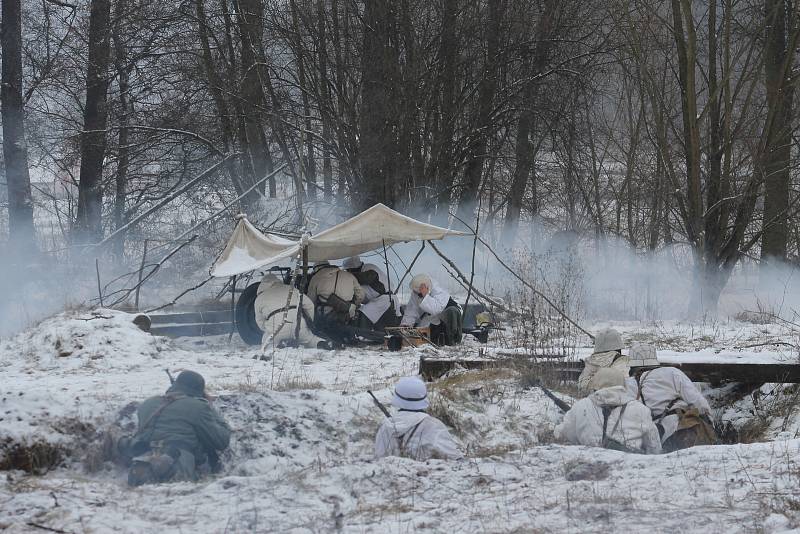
(412, 337)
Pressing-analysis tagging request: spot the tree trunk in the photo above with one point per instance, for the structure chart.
(125, 109)
(15, 151)
(378, 122)
(225, 112)
(525, 150)
(442, 172)
(778, 130)
(686, 47)
(326, 105)
(476, 153)
(95, 118)
(254, 143)
(309, 162)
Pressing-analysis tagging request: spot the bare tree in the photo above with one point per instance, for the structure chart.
(781, 33)
(15, 151)
(89, 224)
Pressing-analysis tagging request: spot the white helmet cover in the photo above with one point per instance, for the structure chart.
(410, 393)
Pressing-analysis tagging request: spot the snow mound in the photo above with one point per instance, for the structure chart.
(279, 432)
(77, 339)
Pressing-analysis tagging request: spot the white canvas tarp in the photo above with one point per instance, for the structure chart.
(249, 249)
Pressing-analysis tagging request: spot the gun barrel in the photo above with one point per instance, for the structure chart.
(379, 404)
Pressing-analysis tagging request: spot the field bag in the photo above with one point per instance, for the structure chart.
(693, 429)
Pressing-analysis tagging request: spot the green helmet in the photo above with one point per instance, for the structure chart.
(191, 383)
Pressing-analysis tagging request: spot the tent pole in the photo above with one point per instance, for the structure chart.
(386, 263)
(303, 284)
(388, 278)
(233, 307)
(400, 283)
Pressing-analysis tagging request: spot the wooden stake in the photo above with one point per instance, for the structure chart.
(141, 270)
(233, 307)
(99, 289)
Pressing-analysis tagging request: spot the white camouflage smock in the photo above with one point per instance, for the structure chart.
(583, 423)
(662, 386)
(415, 435)
(425, 311)
(375, 304)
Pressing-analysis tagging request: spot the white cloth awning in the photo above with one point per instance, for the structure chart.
(248, 249)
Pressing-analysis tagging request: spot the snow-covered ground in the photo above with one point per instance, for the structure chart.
(301, 456)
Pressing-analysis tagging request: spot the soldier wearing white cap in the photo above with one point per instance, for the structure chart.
(412, 433)
(379, 308)
(679, 409)
(610, 417)
(607, 353)
(430, 305)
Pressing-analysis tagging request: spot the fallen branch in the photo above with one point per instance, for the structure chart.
(166, 200)
(458, 277)
(529, 286)
(155, 269)
(175, 300)
(231, 203)
(784, 343)
(42, 527)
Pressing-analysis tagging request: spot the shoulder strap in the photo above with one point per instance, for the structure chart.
(168, 399)
(279, 310)
(666, 411)
(405, 438)
(607, 411)
(606, 414)
(619, 419)
(640, 395)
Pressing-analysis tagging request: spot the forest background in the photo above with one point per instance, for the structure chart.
(136, 124)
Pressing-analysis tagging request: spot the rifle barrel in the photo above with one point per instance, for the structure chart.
(379, 404)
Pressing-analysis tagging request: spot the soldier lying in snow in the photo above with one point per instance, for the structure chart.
(412, 433)
(177, 433)
(610, 417)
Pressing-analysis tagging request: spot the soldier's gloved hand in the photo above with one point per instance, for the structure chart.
(352, 311)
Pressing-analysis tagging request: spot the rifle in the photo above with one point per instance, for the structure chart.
(171, 380)
(379, 404)
(563, 406)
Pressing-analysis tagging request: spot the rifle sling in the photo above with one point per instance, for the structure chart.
(405, 438)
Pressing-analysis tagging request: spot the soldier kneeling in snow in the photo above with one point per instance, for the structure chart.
(680, 411)
(412, 433)
(177, 432)
(430, 305)
(610, 418)
(607, 353)
(270, 310)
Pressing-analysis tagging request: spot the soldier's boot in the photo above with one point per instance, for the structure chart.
(140, 473)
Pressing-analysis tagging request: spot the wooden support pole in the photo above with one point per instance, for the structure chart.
(139, 282)
(99, 287)
(302, 294)
(233, 308)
